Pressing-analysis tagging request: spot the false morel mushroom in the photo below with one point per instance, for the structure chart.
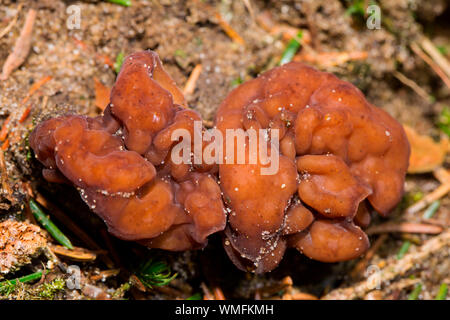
(121, 165)
(338, 158)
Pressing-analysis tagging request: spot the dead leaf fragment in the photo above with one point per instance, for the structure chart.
(76, 254)
(101, 94)
(426, 154)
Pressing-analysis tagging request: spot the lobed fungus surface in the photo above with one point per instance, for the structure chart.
(120, 161)
(339, 157)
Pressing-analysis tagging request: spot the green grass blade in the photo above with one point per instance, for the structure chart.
(119, 61)
(196, 296)
(27, 278)
(415, 293)
(125, 3)
(291, 49)
(442, 294)
(49, 225)
(431, 210)
(403, 250)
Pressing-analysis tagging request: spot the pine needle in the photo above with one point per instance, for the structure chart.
(403, 250)
(125, 3)
(119, 61)
(49, 225)
(442, 294)
(291, 49)
(431, 210)
(8, 286)
(155, 274)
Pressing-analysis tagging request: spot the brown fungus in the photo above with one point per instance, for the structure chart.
(119, 161)
(346, 152)
(338, 157)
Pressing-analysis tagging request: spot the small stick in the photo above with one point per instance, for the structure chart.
(431, 63)
(331, 59)
(12, 23)
(218, 294)
(5, 145)
(77, 254)
(25, 114)
(35, 87)
(442, 175)
(408, 227)
(5, 128)
(229, 30)
(192, 81)
(21, 47)
(429, 48)
(414, 86)
(249, 7)
(207, 295)
(103, 275)
(436, 222)
(438, 193)
(44, 102)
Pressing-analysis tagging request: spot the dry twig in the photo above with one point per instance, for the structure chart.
(192, 81)
(414, 86)
(12, 23)
(434, 53)
(76, 254)
(207, 295)
(103, 275)
(407, 227)
(229, 30)
(415, 47)
(21, 48)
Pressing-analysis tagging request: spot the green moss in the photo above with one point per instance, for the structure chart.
(48, 290)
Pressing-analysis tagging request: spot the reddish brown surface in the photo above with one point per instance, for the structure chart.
(336, 151)
(119, 161)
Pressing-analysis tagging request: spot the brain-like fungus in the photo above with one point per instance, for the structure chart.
(337, 158)
(121, 165)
